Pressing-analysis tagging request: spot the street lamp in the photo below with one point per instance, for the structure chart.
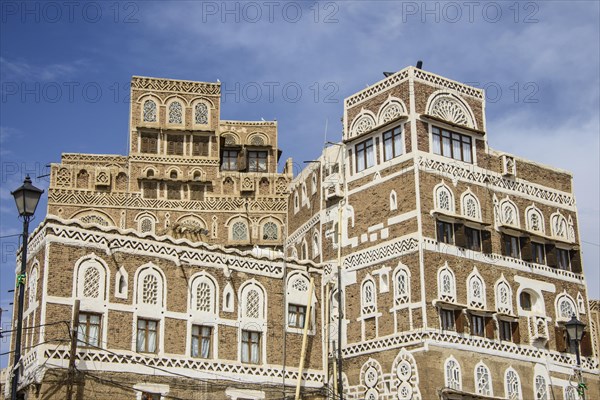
(26, 197)
(575, 331)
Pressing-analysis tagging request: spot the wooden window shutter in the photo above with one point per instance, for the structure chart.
(526, 253)
(503, 248)
(516, 335)
(489, 328)
(575, 261)
(551, 256)
(460, 321)
(586, 345)
(560, 339)
(486, 241)
(459, 235)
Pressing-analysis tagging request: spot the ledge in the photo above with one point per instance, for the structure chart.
(431, 118)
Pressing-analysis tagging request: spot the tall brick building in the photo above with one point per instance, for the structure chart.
(193, 258)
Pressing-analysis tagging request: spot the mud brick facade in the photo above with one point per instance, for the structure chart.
(192, 258)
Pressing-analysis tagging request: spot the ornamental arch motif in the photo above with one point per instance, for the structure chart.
(534, 219)
(476, 290)
(512, 385)
(503, 296)
(176, 107)
(231, 139)
(401, 282)
(470, 206)
(150, 288)
(94, 217)
(258, 139)
(146, 222)
(443, 198)
(565, 307)
(149, 108)
(363, 122)
(91, 277)
(452, 374)
(253, 302)
(371, 376)
(203, 295)
(562, 228)
(405, 377)
(483, 380)
(446, 284)
(451, 108)
(508, 213)
(390, 110)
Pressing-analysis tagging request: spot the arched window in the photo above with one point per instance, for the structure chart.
(252, 302)
(149, 111)
(270, 231)
(470, 207)
(32, 285)
(476, 292)
(175, 113)
(525, 301)
(565, 308)
(146, 225)
(513, 385)
(173, 174)
(91, 279)
(204, 295)
(297, 301)
(483, 380)
(393, 200)
(444, 200)
(452, 370)
(503, 298)
(121, 182)
(541, 389)
(304, 250)
(534, 219)
(570, 393)
(201, 114)
(239, 231)
(83, 179)
(509, 215)
(401, 286)
(368, 301)
(314, 183)
(150, 288)
(559, 226)
(121, 282)
(316, 247)
(446, 285)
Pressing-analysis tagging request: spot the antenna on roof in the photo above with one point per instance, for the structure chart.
(326, 124)
(419, 64)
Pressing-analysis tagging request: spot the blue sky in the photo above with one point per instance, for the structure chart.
(65, 67)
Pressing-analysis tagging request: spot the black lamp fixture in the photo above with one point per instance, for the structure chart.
(575, 329)
(26, 198)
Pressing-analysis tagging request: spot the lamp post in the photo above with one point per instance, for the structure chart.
(575, 331)
(26, 198)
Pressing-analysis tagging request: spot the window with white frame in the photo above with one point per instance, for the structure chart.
(565, 308)
(252, 302)
(444, 199)
(392, 143)
(251, 342)
(446, 285)
(470, 207)
(483, 380)
(368, 301)
(541, 389)
(204, 295)
(147, 336)
(513, 385)
(570, 393)
(509, 215)
(401, 286)
(88, 330)
(316, 246)
(201, 345)
(503, 298)
(559, 226)
(534, 219)
(150, 287)
(476, 292)
(91, 280)
(297, 300)
(32, 285)
(453, 379)
(393, 200)
(365, 155)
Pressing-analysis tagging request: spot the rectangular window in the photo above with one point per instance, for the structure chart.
(364, 155)
(147, 336)
(175, 145)
(296, 316)
(149, 190)
(251, 347)
(257, 161)
(505, 330)
(538, 253)
(196, 192)
(563, 259)
(452, 145)
(392, 143)
(148, 143)
(201, 341)
(473, 239)
(199, 145)
(445, 232)
(150, 396)
(230, 160)
(88, 332)
(448, 320)
(173, 191)
(511, 246)
(477, 325)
